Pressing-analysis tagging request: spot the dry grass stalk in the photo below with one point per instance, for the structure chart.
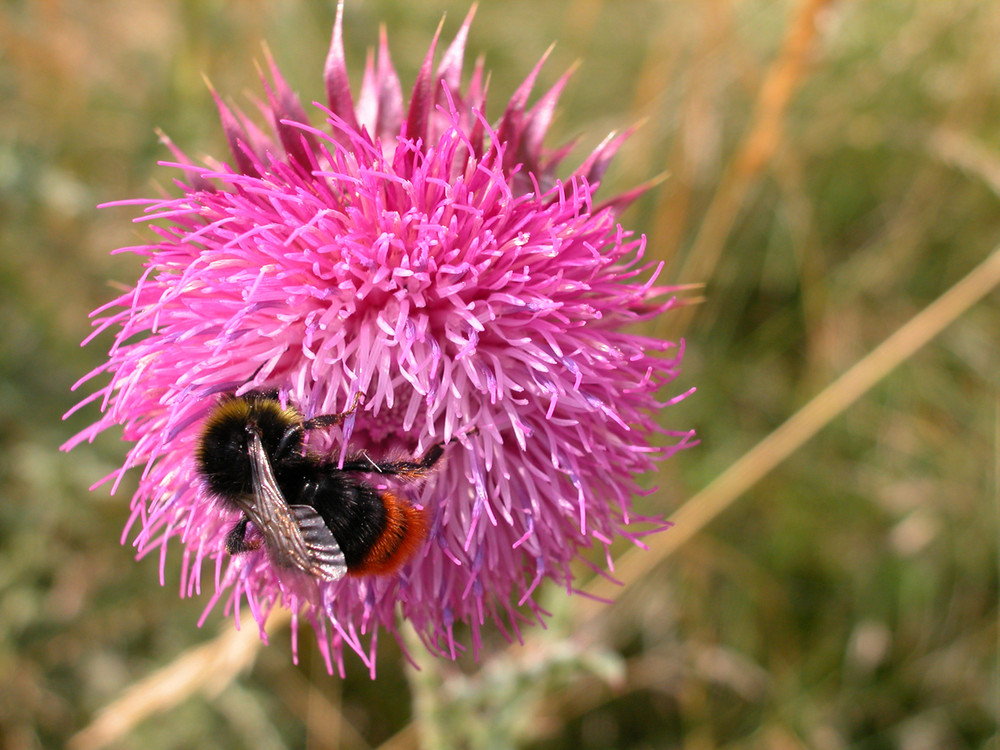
(782, 79)
(725, 489)
(208, 668)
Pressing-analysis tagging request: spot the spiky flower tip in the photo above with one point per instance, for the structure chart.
(434, 263)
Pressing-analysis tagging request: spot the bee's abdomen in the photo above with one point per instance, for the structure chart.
(350, 509)
(403, 531)
(376, 531)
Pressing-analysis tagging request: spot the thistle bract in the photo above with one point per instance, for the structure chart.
(432, 261)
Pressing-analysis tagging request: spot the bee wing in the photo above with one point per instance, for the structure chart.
(271, 513)
(296, 534)
(327, 557)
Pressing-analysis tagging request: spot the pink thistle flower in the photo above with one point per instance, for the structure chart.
(434, 263)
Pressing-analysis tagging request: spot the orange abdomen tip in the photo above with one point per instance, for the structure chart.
(405, 530)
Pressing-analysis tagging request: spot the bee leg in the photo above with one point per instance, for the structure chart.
(431, 457)
(236, 541)
(331, 420)
(323, 420)
(405, 469)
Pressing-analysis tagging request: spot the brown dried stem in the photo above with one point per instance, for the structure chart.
(207, 668)
(726, 488)
(781, 81)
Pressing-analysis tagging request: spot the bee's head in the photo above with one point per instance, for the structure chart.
(223, 458)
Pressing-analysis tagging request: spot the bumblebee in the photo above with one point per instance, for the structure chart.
(311, 515)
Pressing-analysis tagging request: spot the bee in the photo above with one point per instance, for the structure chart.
(312, 515)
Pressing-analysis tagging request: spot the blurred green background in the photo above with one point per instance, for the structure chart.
(849, 600)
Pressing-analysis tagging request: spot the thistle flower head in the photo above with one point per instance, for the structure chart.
(432, 261)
